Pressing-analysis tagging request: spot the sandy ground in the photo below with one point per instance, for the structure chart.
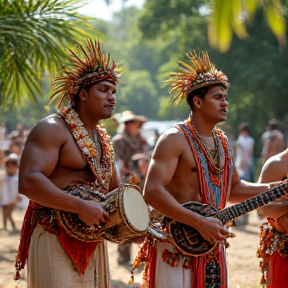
(243, 265)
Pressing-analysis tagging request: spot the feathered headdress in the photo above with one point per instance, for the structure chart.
(86, 67)
(191, 77)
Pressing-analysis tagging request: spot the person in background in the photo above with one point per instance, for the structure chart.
(273, 248)
(126, 144)
(17, 139)
(244, 153)
(142, 161)
(244, 149)
(9, 190)
(273, 141)
(67, 157)
(129, 142)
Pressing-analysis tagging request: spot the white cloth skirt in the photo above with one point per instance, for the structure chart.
(171, 277)
(50, 267)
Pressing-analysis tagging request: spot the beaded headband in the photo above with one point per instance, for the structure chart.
(192, 77)
(86, 67)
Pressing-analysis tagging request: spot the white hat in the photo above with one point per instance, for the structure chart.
(12, 158)
(130, 116)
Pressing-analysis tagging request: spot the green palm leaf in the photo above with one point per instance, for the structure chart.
(34, 35)
(229, 16)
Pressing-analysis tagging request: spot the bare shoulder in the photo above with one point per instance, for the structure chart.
(172, 137)
(172, 140)
(276, 160)
(275, 168)
(172, 134)
(49, 129)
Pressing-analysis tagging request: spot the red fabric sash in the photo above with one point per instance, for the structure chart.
(277, 276)
(80, 252)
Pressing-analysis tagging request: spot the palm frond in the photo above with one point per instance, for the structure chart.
(39, 33)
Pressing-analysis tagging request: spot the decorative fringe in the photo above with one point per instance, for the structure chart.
(131, 281)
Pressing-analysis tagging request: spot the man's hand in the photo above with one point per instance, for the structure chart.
(212, 229)
(91, 213)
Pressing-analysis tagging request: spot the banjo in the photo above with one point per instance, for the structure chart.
(190, 242)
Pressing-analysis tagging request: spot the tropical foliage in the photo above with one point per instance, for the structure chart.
(33, 36)
(230, 16)
(149, 42)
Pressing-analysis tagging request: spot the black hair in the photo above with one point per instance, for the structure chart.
(87, 87)
(201, 92)
(76, 96)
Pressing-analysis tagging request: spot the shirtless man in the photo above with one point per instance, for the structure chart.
(63, 150)
(274, 246)
(273, 141)
(193, 162)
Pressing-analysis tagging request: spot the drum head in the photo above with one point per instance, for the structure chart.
(136, 209)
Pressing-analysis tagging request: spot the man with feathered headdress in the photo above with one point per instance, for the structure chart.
(192, 162)
(68, 157)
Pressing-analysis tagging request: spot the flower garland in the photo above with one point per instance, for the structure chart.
(101, 166)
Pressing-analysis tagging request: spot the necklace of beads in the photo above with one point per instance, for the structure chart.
(98, 153)
(97, 144)
(216, 163)
(214, 152)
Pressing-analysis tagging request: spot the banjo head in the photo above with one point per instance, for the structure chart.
(187, 239)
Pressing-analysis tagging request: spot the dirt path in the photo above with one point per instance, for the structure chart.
(243, 266)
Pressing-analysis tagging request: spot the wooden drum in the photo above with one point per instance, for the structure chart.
(129, 214)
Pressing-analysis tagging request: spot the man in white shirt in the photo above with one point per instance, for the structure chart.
(244, 153)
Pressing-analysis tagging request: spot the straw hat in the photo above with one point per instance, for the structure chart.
(145, 155)
(130, 116)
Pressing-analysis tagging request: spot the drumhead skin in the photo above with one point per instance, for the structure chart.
(136, 209)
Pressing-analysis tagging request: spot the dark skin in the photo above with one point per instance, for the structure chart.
(172, 175)
(276, 169)
(51, 160)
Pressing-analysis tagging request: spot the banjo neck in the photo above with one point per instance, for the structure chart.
(230, 213)
(190, 242)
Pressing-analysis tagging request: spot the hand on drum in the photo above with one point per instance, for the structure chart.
(92, 213)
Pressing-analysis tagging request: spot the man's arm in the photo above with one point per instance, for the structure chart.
(275, 169)
(162, 167)
(115, 182)
(38, 161)
(242, 190)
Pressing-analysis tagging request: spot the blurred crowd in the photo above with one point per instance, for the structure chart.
(11, 145)
(272, 141)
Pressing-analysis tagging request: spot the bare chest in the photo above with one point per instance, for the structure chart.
(184, 185)
(71, 156)
(72, 167)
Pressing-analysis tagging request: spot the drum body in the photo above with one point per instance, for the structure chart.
(71, 223)
(128, 214)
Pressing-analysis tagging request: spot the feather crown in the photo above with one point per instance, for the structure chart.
(191, 77)
(86, 67)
